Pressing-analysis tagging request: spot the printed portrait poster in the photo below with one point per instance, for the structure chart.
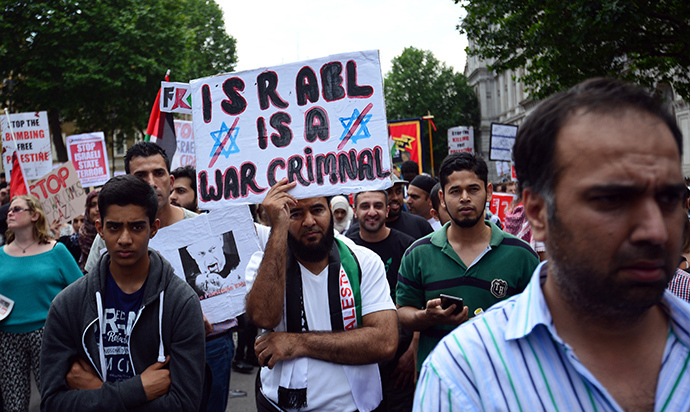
(210, 252)
(60, 193)
(184, 155)
(90, 158)
(32, 136)
(460, 139)
(6, 305)
(320, 123)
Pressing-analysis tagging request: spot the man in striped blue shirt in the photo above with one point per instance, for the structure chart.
(595, 330)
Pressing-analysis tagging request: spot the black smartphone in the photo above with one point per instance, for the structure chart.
(447, 300)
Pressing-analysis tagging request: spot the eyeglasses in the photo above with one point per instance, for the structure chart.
(18, 209)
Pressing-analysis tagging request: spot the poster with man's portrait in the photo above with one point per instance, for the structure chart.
(208, 263)
(210, 252)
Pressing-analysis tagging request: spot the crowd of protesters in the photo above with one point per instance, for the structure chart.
(411, 298)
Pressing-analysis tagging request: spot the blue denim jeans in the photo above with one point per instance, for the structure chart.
(219, 353)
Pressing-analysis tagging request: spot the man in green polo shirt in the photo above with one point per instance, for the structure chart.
(469, 258)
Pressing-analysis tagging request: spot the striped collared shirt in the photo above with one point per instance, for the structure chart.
(512, 359)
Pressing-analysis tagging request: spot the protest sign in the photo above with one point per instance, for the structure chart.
(499, 203)
(460, 139)
(6, 305)
(321, 123)
(211, 252)
(503, 169)
(60, 193)
(176, 98)
(184, 155)
(88, 154)
(32, 136)
(502, 141)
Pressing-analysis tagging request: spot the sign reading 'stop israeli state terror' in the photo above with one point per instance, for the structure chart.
(321, 123)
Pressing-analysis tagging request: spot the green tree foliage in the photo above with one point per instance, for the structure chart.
(419, 84)
(561, 43)
(100, 63)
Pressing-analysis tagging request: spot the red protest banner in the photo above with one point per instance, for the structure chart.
(499, 203)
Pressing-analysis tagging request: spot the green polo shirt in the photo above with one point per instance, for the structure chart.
(431, 267)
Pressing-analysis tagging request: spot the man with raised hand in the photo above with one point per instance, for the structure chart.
(328, 307)
(595, 330)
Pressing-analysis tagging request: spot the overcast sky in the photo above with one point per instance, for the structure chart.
(273, 32)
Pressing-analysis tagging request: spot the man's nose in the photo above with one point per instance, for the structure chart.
(650, 223)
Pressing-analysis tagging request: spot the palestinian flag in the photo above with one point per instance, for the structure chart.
(161, 128)
(17, 183)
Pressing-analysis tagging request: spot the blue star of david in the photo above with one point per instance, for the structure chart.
(363, 130)
(219, 135)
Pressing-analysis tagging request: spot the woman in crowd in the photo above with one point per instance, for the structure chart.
(342, 213)
(87, 232)
(33, 270)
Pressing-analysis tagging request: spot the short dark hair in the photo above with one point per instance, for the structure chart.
(535, 143)
(126, 190)
(435, 199)
(409, 166)
(145, 149)
(385, 194)
(457, 162)
(188, 171)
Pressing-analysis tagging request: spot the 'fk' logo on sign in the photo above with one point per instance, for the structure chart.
(176, 98)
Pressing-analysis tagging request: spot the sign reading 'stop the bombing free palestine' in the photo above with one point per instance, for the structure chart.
(320, 122)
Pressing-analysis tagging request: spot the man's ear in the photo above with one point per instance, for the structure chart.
(489, 192)
(154, 228)
(99, 227)
(537, 214)
(441, 198)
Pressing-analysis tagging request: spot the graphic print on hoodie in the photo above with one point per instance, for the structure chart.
(120, 314)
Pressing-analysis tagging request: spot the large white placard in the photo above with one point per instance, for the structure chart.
(32, 135)
(320, 122)
(60, 193)
(502, 141)
(211, 252)
(460, 139)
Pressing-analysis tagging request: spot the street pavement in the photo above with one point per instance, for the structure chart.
(238, 381)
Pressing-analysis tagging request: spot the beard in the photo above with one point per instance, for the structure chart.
(312, 252)
(374, 229)
(594, 290)
(394, 214)
(468, 222)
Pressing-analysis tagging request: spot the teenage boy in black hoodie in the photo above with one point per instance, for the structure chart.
(129, 336)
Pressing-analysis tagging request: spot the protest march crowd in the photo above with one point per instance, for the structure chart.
(410, 297)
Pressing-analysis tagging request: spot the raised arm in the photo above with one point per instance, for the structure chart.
(265, 300)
